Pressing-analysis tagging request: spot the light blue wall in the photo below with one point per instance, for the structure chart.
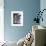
(43, 6)
(29, 7)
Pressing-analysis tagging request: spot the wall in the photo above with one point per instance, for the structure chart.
(43, 6)
(29, 7)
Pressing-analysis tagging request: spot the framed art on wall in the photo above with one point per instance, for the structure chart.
(17, 18)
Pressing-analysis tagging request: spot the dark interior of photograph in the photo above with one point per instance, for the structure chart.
(16, 18)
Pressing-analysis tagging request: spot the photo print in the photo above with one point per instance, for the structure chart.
(17, 18)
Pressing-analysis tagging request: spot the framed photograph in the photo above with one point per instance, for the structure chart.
(17, 18)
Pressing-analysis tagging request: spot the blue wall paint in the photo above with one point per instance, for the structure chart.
(29, 7)
(43, 6)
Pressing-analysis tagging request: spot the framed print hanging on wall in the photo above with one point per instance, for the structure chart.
(17, 18)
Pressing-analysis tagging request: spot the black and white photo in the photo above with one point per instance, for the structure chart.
(17, 18)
